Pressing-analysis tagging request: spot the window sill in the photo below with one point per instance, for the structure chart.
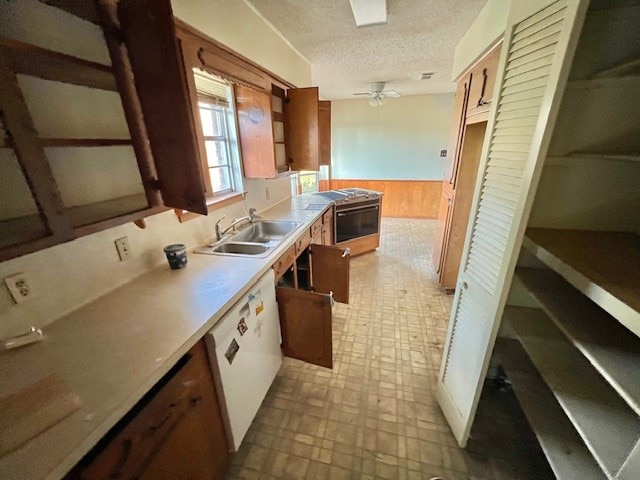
(213, 203)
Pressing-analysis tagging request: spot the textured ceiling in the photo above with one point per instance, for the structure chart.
(420, 36)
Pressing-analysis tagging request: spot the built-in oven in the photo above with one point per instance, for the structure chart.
(357, 220)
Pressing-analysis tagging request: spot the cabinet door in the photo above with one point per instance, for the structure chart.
(147, 26)
(305, 325)
(302, 131)
(457, 129)
(330, 271)
(176, 433)
(444, 216)
(325, 132)
(504, 191)
(327, 227)
(483, 82)
(255, 129)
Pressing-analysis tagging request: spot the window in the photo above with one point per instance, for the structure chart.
(217, 118)
(304, 182)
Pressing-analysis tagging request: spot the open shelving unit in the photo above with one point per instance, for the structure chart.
(579, 350)
(604, 266)
(609, 428)
(612, 349)
(567, 454)
(573, 313)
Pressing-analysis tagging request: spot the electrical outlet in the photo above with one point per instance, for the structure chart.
(267, 193)
(443, 153)
(19, 286)
(122, 245)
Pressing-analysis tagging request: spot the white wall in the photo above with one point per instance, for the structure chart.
(70, 275)
(400, 140)
(481, 35)
(238, 26)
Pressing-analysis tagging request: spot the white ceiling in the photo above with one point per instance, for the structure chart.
(420, 36)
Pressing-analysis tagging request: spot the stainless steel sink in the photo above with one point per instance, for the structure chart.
(265, 231)
(240, 248)
(255, 240)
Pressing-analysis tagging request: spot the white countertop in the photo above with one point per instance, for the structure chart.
(113, 350)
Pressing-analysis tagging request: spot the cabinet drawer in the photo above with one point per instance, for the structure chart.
(316, 228)
(285, 262)
(303, 242)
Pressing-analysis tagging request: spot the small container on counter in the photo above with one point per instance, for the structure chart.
(176, 255)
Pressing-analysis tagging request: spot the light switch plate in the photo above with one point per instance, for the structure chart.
(20, 287)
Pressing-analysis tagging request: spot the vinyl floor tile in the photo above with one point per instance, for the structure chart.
(374, 416)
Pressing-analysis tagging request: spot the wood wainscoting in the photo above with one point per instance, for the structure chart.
(402, 198)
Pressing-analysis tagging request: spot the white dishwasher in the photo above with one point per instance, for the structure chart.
(244, 350)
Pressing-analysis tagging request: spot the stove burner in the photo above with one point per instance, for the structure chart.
(349, 195)
(331, 195)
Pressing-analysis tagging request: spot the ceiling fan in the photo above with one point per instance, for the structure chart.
(377, 94)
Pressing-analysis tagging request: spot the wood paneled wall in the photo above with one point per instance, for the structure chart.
(402, 198)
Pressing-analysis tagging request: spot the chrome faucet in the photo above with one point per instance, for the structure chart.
(252, 217)
(219, 232)
(253, 214)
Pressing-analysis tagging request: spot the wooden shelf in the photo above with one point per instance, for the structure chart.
(84, 10)
(75, 142)
(567, 454)
(608, 427)
(628, 69)
(571, 160)
(84, 142)
(611, 348)
(59, 67)
(96, 212)
(604, 266)
(622, 83)
(16, 231)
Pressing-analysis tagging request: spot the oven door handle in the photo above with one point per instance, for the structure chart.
(356, 210)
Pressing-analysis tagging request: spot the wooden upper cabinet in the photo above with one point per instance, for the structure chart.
(302, 129)
(457, 129)
(149, 33)
(330, 271)
(482, 84)
(255, 131)
(324, 124)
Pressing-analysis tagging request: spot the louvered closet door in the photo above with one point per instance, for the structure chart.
(535, 72)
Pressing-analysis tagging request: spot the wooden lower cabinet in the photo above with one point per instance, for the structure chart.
(305, 325)
(327, 226)
(305, 292)
(174, 432)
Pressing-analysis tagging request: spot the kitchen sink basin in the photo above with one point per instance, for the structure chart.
(255, 240)
(265, 231)
(240, 248)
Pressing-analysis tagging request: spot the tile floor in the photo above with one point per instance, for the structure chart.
(375, 414)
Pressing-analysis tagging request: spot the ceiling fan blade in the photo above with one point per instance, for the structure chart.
(363, 93)
(391, 93)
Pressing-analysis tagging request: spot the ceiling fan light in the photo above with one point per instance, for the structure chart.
(377, 101)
